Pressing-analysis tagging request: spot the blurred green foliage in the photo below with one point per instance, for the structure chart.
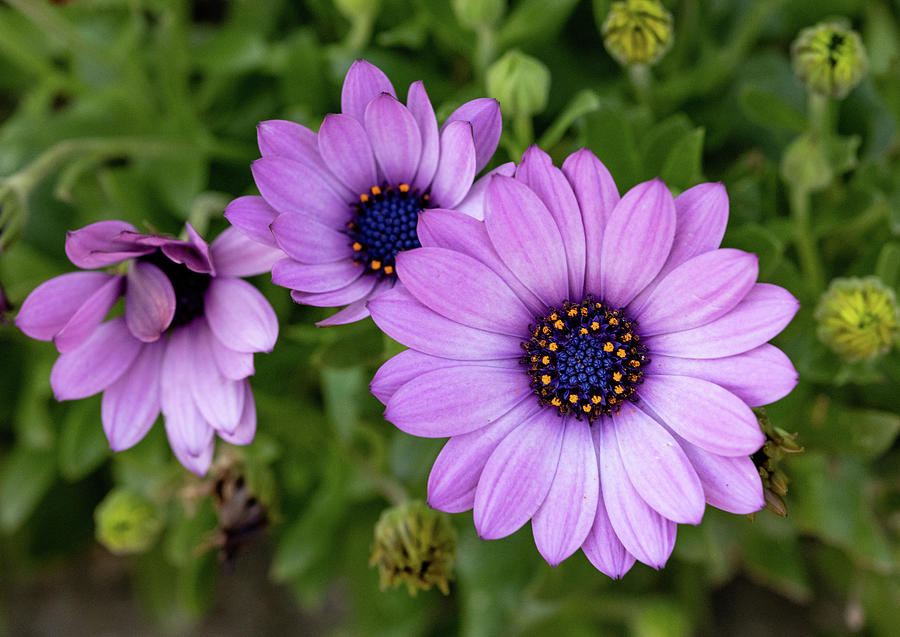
(145, 110)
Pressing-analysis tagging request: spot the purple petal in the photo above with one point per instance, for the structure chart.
(344, 145)
(51, 304)
(487, 124)
(246, 429)
(87, 317)
(518, 475)
(399, 315)
(698, 291)
(473, 203)
(440, 228)
(525, 236)
(149, 301)
(550, 185)
(308, 241)
(603, 547)
(758, 377)
(702, 213)
(644, 533)
(97, 364)
(240, 316)
(395, 137)
(235, 254)
(456, 166)
(189, 433)
(356, 311)
(702, 413)
(131, 404)
(440, 403)
(253, 216)
(420, 106)
(219, 399)
(193, 253)
(231, 364)
(567, 514)
(363, 82)
(597, 196)
(729, 483)
(454, 477)
(101, 244)
(198, 464)
(636, 242)
(289, 186)
(462, 289)
(763, 313)
(657, 467)
(361, 289)
(320, 277)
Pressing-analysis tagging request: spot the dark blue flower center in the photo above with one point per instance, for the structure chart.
(585, 359)
(384, 223)
(189, 287)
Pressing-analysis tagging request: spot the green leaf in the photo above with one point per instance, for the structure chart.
(658, 143)
(682, 168)
(82, 443)
(770, 111)
(533, 21)
(888, 266)
(27, 476)
(343, 389)
(609, 133)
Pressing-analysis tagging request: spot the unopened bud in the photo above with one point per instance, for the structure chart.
(858, 318)
(474, 14)
(126, 522)
(520, 83)
(414, 545)
(637, 31)
(829, 58)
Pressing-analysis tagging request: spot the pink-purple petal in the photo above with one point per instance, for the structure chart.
(345, 147)
(291, 187)
(602, 546)
(456, 400)
(231, 364)
(149, 301)
(483, 114)
(363, 82)
(240, 316)
(420, 106)
(395, 138)
(319, 277)
(51, 304)
(356, 311)
(306, 240)
(657, 467)
(252, 216)
(101, 244)
(702, 213)
(97, 363)
(758, 377)
(87, 317)
(361, 289)
(463, 290)
(187, 428)
(636, 242)
(131, 404)
(220, 400)
(518, 475)
(195, 463)
(565, 518)
(729, 483)
(456, 165)
(473, 203)
(193, 253)
(235, 254)
(246, 429)
(702, 413)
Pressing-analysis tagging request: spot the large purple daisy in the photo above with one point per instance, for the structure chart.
(184, 344)
(344, 202)
(592, 359)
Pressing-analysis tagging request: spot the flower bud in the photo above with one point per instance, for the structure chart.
(474, 14)
(767, 460)
(126, 522)
(520, 83)
(414, 545)
(637, 31)
(858, 318)
(829, 58)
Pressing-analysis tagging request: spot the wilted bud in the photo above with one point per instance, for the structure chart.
(829, 58)
(637, 31)
(858, 318)
(520, 83)
(126, 522)
(414, 545)
(774, 479)
(474, 14)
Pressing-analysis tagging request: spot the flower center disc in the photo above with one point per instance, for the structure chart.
(384, 223)
(585, 359)
(189, 286)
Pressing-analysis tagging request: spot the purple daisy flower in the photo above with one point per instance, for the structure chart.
(184, 344)
(592, 359)
(344, 202)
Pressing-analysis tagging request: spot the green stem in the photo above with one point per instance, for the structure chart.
(523, 134)
(807, 250)
(641, 81)
(485, 50)
(819, 116)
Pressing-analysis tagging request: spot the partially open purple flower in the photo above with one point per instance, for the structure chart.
(593, 360)
(184, 344)
(344, 202)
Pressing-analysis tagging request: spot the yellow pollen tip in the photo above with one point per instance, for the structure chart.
(376, 190)
(573, 398)
(595, 326)
(617, 376)
(388, 269)
(357, 246)
(613, 321)
(583, 330)
(545, 379)
(364, 197)
(545, 360)
(553, 347)
(545, 330)
(618, 389)
(573, 312)
(620, 353)
(584, 311)
(403, 187)
(556, 402)
(607, 346)
(626, 337)
(559, 325)
(596, 399)
(554, 316)
(375, 265)
(586, 408)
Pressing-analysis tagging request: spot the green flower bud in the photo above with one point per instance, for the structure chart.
(475, 14)
(414, 545)
(637, 31)
(829, 58)
(858, 318)
(126, 522)
(520, 83)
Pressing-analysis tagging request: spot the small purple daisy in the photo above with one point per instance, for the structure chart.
(184, 344)
(592, 359)
(344, 202)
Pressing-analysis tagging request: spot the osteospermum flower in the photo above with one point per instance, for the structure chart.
(592, 359)
(344, 202)
(183, 346)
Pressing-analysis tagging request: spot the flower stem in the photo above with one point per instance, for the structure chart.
(819, 116)
(641, 80)
(810, 263)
